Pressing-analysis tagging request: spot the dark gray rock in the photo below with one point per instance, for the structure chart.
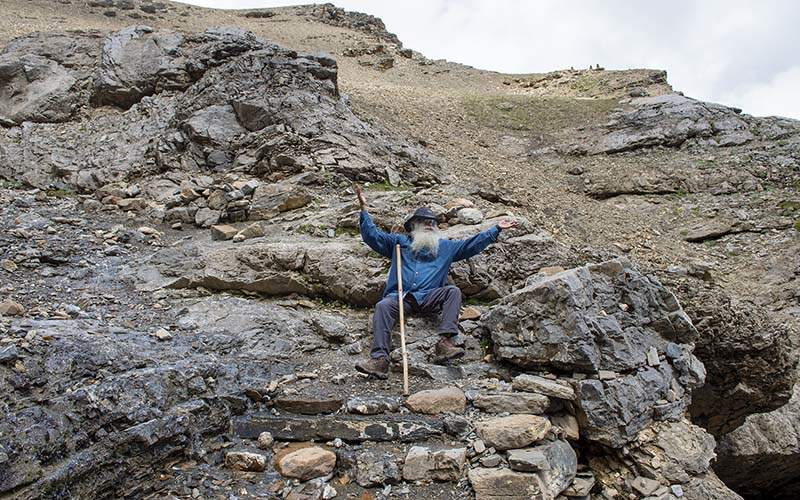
(670, 120)
(36, 89)
(608, 316)
(761, 457)
(614, 411)
(348, 428)
(373, 469)
(132, 63)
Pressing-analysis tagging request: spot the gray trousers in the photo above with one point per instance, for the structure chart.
(446, 299)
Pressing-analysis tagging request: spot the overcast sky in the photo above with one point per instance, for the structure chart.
(743, 53)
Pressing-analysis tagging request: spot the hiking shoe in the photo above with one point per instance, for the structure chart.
(378, 367)
(447, 350)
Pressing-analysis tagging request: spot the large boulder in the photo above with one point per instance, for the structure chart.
(748, 353)
(36, 89)
(762, 457)
(341, 270)
(668, 120)
(133, 63)
(598, 317)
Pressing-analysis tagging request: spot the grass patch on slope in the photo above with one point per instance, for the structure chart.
(549, 115)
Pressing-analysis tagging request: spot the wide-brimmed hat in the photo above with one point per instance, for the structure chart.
(420, 213)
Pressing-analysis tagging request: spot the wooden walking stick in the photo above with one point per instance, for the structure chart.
(402, 319)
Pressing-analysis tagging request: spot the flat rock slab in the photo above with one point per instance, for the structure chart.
(541, 385)
(352, 428)
(309, 406)
(434, 401)
(512, 402)
(516, 431)
(373, 405)
(494, 484)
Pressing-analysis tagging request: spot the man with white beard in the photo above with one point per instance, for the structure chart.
(426, 258)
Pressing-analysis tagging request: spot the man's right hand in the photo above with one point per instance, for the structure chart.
(361, 200)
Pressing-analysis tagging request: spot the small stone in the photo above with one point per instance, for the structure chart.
(9, 265)
(223, 232)
(652, 357)
(492, 460)
(432, 402)
(479, 446)
(250, 186)
(147, 230)
(470, 216)
(645, 486)
(576, 170)
(581, 485)
(162, 334)
(246, 461)
(606, 375)
(470, 313)
(677, 490)
(8, 354)
(11, 308)
(265, 440)
(307, 463)
(527, 460)
(328, 492)
(252, 231)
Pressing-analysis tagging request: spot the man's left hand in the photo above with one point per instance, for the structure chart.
(507, 223)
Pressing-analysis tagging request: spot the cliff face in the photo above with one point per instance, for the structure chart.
(182, 271)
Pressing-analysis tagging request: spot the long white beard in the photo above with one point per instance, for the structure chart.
(425, 239)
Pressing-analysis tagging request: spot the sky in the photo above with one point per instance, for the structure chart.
(742, 53)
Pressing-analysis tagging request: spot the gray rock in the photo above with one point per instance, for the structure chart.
(512, 402)
(614, 411)
(527, 460)
(645, 486)
(308, 405)
(36, 89)
(492, 460)
(422, 463)
(246, 461)
(133, 61)
(373, 405)
(587, 296)
(348, 428)
(470, 216)
(214, 125)
(504, 483)
(561, 466)
(760, 457)
(541, 385)
(376, 470)
(8, 354)
(516, 431)
(435, 401)
(670, 120)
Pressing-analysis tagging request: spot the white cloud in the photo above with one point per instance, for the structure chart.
(738, 52)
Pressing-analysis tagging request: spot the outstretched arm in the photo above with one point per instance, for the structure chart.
(478, 243)
(380, 241)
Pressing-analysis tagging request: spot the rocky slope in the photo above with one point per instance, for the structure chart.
(182, 272)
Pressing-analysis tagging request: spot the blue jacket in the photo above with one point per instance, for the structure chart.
(421, 272)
